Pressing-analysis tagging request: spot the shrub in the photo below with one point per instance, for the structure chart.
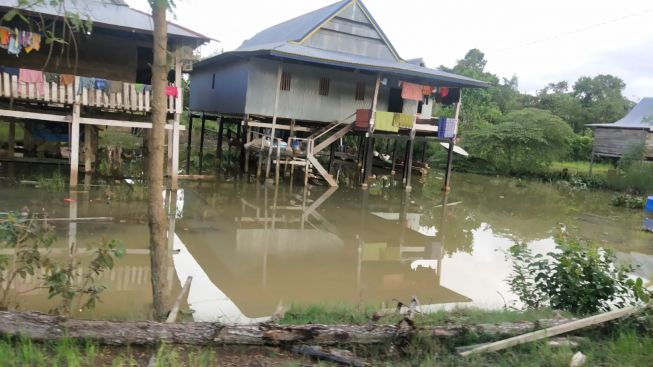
(577, 277)
(525, 141)
(580, 147)
(628, 201)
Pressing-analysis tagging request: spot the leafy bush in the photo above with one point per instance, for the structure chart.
(525, 141)
(577, 277)
(628, 201)
(580, 147)
(26, 241)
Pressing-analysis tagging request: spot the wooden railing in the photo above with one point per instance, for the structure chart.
(126, 100)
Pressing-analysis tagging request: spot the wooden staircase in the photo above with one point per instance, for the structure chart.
(323, 138)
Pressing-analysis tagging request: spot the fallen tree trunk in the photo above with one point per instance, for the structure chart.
(41, 327)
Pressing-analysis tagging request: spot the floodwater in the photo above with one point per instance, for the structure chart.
(250, 246)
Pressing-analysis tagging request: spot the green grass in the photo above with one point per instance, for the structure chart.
(4, 132)
(582, 168)
(332, 314)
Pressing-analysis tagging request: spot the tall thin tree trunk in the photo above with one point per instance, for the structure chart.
(157, 218)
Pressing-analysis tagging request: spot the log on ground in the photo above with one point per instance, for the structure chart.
(41, 327)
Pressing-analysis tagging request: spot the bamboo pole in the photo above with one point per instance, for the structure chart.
(551, 331)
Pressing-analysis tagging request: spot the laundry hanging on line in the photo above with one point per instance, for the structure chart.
(14, 40)
(411, 91)
(26, 76)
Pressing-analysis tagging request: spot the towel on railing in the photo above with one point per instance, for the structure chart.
(14, 46)
(383, 122)
(84, 82)
(115, 86)
(32, 77)
(403, 120)
(67, 79)
(101, 84)
(33, 43)
(10, 71)
(171, 91)
(138, 87)
(147, 88)
(51, 77)
(4, 36)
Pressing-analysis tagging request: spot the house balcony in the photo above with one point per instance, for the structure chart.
(132, 97)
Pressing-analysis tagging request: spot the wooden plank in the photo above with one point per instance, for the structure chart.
(140, 101)
(125, 95)
(14, 86)
(35, 116)
(74, 145)
(31, 90)
(62, 93)
(133, 98)
(279, 126)
(170, 104)
(46, 92)
(85, 97)
(172, 316)
(552, 331)
(118, 123)
(6, 85)
(147, 100)
(179, 103)
(71, 90)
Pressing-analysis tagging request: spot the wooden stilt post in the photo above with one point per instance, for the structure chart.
(591, 163)
(452, 142)
(88, 152)
(277, 167)
(332, 156)
(11, 141)
(447, 175)
(189, 141)
(74, 145)
(409, 163)
(218, 149)
(394, 158)
(274, 120)
(370, 148)
(244, 155)
(202, 142)
(174, 161)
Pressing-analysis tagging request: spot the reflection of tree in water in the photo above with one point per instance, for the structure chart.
(523, 211)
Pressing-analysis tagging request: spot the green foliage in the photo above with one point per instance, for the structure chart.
(524, 141)
(628, 201)
(55, 182)
(580, 147)
(23, 237)
(577, 277)
(28, 241)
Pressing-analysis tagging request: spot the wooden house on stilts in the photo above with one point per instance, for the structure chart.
(615, 139)
(296, 88)
(100, 78)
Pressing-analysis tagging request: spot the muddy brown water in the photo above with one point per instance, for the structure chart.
(249, 246)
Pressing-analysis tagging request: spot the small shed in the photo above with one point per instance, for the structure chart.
(615, 139)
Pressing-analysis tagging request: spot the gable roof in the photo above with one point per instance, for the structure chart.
(640, 117)
(295, 29)
(115, 13)
(286, 41)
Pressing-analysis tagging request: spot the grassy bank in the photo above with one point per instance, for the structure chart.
(621, 344)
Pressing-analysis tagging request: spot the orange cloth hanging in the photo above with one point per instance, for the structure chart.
(427, 90)
(411, 91)
(67, 79)
(34, 42)
(4, 36)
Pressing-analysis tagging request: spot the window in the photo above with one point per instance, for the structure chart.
(285, 81)
(213, 82)
(360, 92)
(324, 86)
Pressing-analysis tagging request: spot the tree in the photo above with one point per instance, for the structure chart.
(524, 141)
(156, 215)
(601, 98)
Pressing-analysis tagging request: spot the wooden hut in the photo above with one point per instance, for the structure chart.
(615, 139)
(100, 78)
(311, 75)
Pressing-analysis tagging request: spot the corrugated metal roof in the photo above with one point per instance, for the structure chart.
(640, 117)
(318, 56)
(296, 28)
(115, 13)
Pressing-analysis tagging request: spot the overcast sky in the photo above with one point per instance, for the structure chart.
(539, 41)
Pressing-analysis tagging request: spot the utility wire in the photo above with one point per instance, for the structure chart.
(579, 30)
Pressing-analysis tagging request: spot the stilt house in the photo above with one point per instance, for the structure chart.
(100, 78)
(313, 73)
(615, 139)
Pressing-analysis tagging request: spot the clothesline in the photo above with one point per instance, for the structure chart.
(14, 40)
(39, 78)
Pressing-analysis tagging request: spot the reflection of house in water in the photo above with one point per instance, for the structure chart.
(284, 249)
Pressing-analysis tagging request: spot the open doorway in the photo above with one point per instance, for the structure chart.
(395, 102)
